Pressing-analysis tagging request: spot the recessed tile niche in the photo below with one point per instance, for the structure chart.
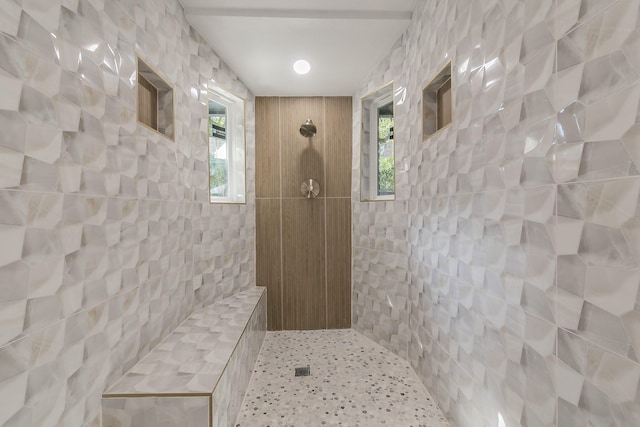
(437, 111)
(155, 101)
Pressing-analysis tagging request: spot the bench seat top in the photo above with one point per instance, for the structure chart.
(191, 359)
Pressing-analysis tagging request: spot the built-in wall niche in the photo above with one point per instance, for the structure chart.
(437, 105)
(155, 101)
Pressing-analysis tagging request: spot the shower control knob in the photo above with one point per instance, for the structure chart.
(310, 188)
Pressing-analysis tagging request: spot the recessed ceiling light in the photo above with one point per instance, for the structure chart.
(301, 66)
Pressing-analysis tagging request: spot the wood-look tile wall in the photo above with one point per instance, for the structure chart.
(304, 246)
(147, 103)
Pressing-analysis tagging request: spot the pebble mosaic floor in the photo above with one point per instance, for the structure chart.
(353, 382)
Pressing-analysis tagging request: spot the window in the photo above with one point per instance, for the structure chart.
(382, 151)
(226, 147)
(378, 170)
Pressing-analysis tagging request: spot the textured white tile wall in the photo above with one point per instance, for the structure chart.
(108, 238)
(520, 222)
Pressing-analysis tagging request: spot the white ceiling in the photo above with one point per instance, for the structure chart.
(260, 40)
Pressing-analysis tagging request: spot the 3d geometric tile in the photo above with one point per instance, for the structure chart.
(611, 116)
(42, 76)
(539, 68)
(566, 234)
(43, 143)
(569, 309)
(10, 18)
(11, 252)
(46, 14)
(535, 40)
(12, 315)
(611, 289)
(153, 411)
(67, 53)
(608, 383)
(535, 108)
(612, 203)
(12, 88)
(12, 58)
(11, 163)
(517, 259)
(91, 256)
(14, 389)
(571, 122)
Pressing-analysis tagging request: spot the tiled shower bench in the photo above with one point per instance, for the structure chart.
(197, 375)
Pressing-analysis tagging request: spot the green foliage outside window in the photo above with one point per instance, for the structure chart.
(218, 168)
(218, 121)
(385, 156)
(384, 128)
(218, 177)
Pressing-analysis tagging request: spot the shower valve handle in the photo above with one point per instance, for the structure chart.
(310, 188)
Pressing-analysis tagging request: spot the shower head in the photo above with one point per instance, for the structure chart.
(308, 129)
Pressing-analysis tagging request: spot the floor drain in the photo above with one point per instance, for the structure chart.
(303, 372)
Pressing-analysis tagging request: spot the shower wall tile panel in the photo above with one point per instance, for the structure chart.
(191, 411)
(380, 275)
(110, 241)
(338, 211)
(337, 113)
(304, 245)
(230, 390)
(302, 158)
(517, 224)
(304, 291)
(268, 257)
(268, 147)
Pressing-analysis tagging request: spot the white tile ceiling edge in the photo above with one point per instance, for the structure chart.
(299, 13)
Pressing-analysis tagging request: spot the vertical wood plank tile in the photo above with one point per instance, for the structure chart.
(302, 158)
(338, 263)
(303, 250)
(299, 287)
(267, 147)
(268, 258)
(147, 103)
(338, 125)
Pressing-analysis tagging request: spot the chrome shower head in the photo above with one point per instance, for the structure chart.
(308, 129)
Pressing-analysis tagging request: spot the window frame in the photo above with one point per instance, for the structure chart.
(374, 159)
(369, 171)
(236, 150)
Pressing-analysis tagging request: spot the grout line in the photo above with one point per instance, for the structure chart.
(556, 356)
(593, 344)
(211, 410)
(355, 109)
(299, 197)
(281, 284)
(423, 197)
(324, 179)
